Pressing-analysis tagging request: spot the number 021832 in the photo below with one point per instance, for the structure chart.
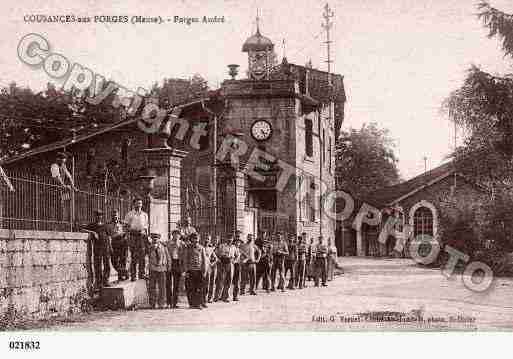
(24, 345)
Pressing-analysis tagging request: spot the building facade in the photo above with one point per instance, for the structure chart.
(422, 205)
(285, 116)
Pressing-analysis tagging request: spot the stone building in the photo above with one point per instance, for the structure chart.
(422, 204)
(292, 114)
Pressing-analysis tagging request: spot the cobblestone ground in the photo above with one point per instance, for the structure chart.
(387, 288)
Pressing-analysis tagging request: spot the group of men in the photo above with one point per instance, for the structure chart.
(213, 269)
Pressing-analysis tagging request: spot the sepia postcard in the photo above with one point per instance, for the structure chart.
(255, 166)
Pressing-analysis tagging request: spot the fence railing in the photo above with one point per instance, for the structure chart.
(40, 204)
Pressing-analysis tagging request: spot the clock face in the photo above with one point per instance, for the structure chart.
(261, 130)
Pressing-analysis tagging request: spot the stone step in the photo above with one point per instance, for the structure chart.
(125, 295)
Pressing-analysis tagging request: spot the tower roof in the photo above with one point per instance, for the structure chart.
(257, 42)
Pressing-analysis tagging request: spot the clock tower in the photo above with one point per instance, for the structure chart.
(261, 56)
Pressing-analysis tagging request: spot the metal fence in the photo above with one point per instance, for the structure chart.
(40, 204)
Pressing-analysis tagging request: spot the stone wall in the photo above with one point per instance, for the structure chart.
(42, 273)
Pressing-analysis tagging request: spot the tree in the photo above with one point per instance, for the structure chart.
(365, 160)
(29, 119)
(483, 107)
(174, 91)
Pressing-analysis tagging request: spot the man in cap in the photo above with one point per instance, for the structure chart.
(237, 267)
(226, 253)
(208, 288)
(251, 254)
(62, 177)
(101, 249)
(301, 262)
(137, 222)
(280, 251)
(158, 262)
(266, 261)
(291, 261)
(175, 247)
(321, 264)
(119, 246)
(187, 228)
(195, 263)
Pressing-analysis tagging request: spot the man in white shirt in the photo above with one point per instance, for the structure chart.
(187, 228)
(60, 172)
(137, 223)
(62, 177)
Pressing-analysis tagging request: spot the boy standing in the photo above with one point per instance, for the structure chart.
(159, 262)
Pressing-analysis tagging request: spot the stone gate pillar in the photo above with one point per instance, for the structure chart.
(232, 201)
(167, 161)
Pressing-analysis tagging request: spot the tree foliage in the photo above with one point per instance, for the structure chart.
(365, 160)
(31, 119)
(483, 107)
(499, 25)
(175, 91)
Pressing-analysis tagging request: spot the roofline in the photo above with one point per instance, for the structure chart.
(65, 143)
(420, 188)
(70, 141)
(434, 181)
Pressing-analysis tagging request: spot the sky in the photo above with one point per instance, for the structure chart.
(400, 58)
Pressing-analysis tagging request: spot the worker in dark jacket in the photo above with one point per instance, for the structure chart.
(291, 261)
(321, 262)
(158, 258)
(226, 254)
(266, 261)
(175, 246)
(195, 265)
(280, 252)
(101, 249)
(301, 262)
(119, 243)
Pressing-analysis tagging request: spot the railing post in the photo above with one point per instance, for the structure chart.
(72, 209)
(36, 205)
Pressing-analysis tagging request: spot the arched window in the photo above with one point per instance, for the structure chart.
(423, 221)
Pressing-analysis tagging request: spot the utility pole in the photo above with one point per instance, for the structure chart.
(327, 25)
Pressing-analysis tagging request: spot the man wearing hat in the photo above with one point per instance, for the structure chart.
(266, 262)
(187, 228)
(175, 247)
(62, 177)
(158, 262)
(195, 265)
(226, 253)
(281, 251)
(291, 261)
(237, 266)
(301, 262)
(119, 245)
(321, 262)
(251, 253)
(137, 222)
(101, 249)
